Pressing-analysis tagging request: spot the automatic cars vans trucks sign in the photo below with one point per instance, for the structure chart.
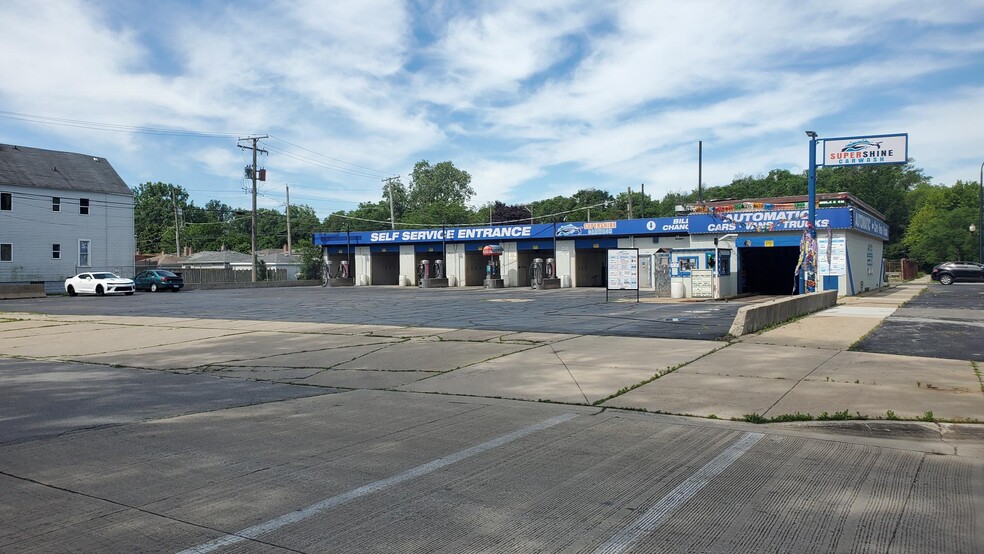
(874, 149)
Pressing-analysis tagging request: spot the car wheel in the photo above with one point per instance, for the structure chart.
(128, 293)
(946, 279)
(153, 287)
(99, 290)
(71, 291)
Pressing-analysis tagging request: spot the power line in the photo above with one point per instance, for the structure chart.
(329, 157)
(113, 127)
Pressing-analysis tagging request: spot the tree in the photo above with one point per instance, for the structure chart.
(884, 187)
(153, 215)
(439, 194)
(940, 229)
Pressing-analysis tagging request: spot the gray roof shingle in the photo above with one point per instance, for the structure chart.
(33, 167)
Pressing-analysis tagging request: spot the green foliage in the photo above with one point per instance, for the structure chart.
(755, 418)
(439, 187)
(928, 417)
(153, 215)
(311, 260)
(939, 229)
(836, 416)
(792, 417)
(927, 222)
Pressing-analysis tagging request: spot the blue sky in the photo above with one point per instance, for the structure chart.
(534, 99)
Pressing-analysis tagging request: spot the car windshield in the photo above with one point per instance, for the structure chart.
(105, 276)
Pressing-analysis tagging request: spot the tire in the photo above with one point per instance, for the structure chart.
(128, 293)
(71, 291)
(100, 290)
(153, 287)
(946, 279)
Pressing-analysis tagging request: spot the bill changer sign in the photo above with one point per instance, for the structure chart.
(874, 149)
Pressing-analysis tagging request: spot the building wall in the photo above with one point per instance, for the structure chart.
(565, 262)
(864, 258)
(509, 264)
(31, 227)
(455, 258)
(363, 266)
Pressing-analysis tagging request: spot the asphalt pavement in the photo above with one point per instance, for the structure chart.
(311, 420)
(577, 311)
(945, 321)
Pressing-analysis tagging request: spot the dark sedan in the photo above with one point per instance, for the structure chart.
(948, 273)
(158, 279)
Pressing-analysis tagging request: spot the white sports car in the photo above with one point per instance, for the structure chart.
(98, 283)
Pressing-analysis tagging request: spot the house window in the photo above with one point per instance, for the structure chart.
(84, 253)
(84, 206)
(6, 201)
(55, 204)
(6, 252)
(55, 251)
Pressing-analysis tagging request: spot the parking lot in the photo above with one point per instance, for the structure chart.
(945, 321)
(408, 420)
(575, 311)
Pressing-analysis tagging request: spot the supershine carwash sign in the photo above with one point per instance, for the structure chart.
(869, 150)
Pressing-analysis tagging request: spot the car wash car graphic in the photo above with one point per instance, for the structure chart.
(859, 145)
(568, 230)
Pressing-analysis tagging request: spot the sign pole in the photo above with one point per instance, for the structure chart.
(811, 199)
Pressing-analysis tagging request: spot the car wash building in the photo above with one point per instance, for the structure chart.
(712, 250)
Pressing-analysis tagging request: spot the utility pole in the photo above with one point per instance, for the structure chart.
(642, 202)
(177, 241)
(389, 187)
(252, 241)
(630, 202)
(289, 245)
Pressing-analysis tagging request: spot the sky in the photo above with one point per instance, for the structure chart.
(533, 99)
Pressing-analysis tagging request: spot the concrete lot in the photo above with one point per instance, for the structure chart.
(189, 431)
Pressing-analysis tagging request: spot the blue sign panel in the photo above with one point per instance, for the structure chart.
(769, 221)
(764, 221)
(868, 224)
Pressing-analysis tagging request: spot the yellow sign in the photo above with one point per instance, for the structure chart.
(770, 243)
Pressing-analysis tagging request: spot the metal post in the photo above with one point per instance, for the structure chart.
(717, 271)
(811, 200)
(811, 189)
(980, 218)
(348, 251)
(290, 244)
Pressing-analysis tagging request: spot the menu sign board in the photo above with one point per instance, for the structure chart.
(623, 269)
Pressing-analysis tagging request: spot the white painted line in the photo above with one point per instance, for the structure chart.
(660, 512)
(412, 473)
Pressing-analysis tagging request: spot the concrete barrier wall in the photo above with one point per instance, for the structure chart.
(759, 316)
(12, 291)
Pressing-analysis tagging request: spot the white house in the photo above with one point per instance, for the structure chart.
(62, 213)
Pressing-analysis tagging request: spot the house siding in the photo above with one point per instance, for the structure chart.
(32, 228)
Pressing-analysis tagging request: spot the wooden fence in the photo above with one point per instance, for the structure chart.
(214, 276)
